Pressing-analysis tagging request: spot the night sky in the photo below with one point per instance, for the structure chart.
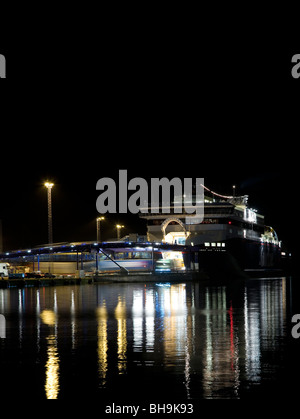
(154, 103)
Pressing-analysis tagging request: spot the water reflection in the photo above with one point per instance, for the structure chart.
(120, 314)
(102, 316)
(212, 337)
(221, 367)
(137, 319)
(52, 369)
(49, 318)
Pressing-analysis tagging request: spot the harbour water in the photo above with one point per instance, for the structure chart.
(158, 341)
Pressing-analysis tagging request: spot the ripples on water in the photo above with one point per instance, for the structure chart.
(154, 341)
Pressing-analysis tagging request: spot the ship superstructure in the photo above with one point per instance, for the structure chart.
(228, 222)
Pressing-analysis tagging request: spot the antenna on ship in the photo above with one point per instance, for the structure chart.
(233, 190)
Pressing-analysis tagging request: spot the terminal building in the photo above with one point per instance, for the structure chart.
(91, 258)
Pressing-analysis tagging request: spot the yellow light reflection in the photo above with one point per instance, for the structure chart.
(52, 365)
(101, 313)
(52, 369)
(120, 314)
(48, 317)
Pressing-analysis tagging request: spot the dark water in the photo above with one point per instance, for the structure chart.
(158, 342)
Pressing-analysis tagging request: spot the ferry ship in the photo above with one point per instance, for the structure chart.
(231, 233)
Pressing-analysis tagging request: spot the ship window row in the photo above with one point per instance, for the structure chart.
(226, 221)
(167, 210)
(213, 244)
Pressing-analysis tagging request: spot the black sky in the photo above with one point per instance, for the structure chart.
(75, 109)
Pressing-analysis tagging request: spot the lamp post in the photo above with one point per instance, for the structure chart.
(98, 221)
(49, 187)
(118, 227)
(233, 190)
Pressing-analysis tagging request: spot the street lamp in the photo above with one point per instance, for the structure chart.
(118, 227)
(49, 187)
(99, 219)
(233, 190)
